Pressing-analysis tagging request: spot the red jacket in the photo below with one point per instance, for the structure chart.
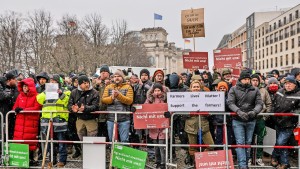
(26, 126)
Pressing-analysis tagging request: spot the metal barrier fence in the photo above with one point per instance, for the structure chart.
(52, 141)
(225, 144)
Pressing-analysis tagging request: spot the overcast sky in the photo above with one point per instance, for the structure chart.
(221, 16)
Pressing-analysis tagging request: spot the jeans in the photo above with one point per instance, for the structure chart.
(160, 152)
(282, 137)
(123, 130)
(62, 148)
(220, 135)
(243, 132)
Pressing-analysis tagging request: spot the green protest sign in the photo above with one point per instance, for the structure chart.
(128, 158)
(18, 155)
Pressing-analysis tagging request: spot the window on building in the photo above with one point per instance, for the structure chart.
(267, 40)
(299, 57)
(280, 47)
(298, 27)
(284, 20)
(263, 42)
(298, 41)
(293, 43)
(263, 53)
(276, 48)
(259, 66)
(255, 44)
(274, 25)
(297, 14)
(267, 51)
(276, 37)
(291, 18)
(286, 45)
(286, 32)
(263, 64)
(281, 34)
(271, 39)
(255, 34)
(259, 54)
(263, 31)
(271, 50)
(279, 23)
(259, 33)
(276, 62)
(270, 28)
(267, 63)
(286, 59)
(259, 44)
(271, 64)
(293, 58)
(281, 61)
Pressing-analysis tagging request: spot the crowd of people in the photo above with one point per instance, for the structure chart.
(81, 95)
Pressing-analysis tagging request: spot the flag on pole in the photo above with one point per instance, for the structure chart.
(157, 17)
(186, 41)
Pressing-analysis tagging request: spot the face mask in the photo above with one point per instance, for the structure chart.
(273, 89)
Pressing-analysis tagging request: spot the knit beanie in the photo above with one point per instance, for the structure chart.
(290, 79)
(82, 79)
(224, 84)
(257, 77)
(120, 73)
(272, 80)
(244, 75)
(104, 68)
(157, 85)
(146, 71)
(157, 72)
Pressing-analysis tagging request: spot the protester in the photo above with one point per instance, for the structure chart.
(246, 101)
(42, 79)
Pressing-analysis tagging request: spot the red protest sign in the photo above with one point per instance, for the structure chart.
(195, 60)
(149, 116)
(228, 58)
(213, 160)
(235, 75)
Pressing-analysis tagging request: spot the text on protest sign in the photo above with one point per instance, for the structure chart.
(192, 23)
(196, 101)
(129, 158)
(149, 116)
(228, 58)
(213, 160)
(195, 60)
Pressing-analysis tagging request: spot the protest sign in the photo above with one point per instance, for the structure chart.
(195, 60)
(213, 160)
(196, 101)
(149, 116)
(235, 75)
(192, 23)
(129, 158)
(18, 155)
(51, 91)
(228, 58)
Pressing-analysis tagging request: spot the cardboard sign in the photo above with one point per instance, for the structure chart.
(228, 58)
(196, 101)
(18, 155)
(129, 158)
(235, 76)
(213, 160)
(192, 23)
(149, 116)
(195, 60)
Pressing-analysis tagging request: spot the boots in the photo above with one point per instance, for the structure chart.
(77, 151)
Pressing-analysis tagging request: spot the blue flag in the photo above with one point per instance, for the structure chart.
(157, 16)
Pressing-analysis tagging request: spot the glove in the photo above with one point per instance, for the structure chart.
(251, 114)
(18, 110)
(167, 114)
(243, 115)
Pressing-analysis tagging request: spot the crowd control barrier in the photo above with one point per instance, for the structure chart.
(225, 144)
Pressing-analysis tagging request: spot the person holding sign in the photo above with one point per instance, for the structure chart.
(157, 95)
(192, 124)
(60, 120)
(246, 101)
(26, 126)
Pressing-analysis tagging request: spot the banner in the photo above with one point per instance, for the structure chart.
(228, 58)
(195, 60)
(213, 160)
(149, 116)
(196, 101)
(129, 158)
(192, 23)
(18, 155)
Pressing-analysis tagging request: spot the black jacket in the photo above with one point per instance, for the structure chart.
(89, 98)
(8, 96)
(244, 98)
(286, 102)
(140, 95)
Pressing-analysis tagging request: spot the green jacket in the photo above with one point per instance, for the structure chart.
(55, 105)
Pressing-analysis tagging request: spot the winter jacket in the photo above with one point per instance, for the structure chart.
(8, 96)
(267, 102)
(245, 98)
(140, 94)
(121, 103)
(26, 126)
(90, 100)
(152, 99)
(286, 102)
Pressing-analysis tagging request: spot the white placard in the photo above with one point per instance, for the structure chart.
(94, 155)
(51, 91)
(196, 101)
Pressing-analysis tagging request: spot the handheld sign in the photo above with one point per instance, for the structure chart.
(129, 158)
(195, 60)
(196, 101)
(18, 155)
(213, 160)
(192, 23)
(51, 91)
(149, 116)
(228, 58)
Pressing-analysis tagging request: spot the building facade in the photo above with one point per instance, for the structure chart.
(277, 43)
(162, 54)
